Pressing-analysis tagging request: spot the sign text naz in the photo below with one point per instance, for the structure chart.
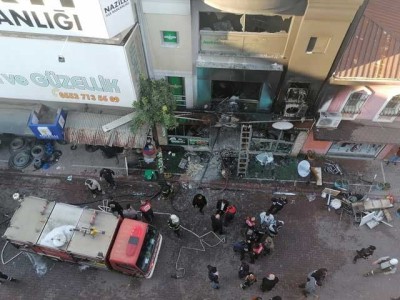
(52, 19)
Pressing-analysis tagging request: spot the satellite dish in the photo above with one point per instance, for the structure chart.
(303, 168)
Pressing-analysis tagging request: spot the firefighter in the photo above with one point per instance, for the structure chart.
(174, 224)
(146, 210)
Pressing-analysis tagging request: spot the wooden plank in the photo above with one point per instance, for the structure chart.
(388, 215)
(318, 174)
(118, 122)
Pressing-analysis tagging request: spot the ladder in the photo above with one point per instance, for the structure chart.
(243, 161)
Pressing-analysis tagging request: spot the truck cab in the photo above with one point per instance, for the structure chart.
(136, 248)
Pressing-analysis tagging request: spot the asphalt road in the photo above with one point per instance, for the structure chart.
(311, 238)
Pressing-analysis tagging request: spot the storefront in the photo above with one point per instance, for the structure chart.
(191, 135)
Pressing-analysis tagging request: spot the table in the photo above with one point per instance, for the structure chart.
(281, 126)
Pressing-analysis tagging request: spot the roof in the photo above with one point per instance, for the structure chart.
(360, 131)
(374, 51)
(86, 128)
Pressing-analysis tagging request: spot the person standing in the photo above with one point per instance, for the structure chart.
(229, 214)
(213, 275)
(250, 222)
(116, 207)
(269, 282)
(364, 253)
(244, 270)
(6, 278)
(199, 201)
(249, 280)
(222, 206)
(394, 158)
(94, 187)
(277, 205)
(386, 265)
(130, 212)
(314, 279)
(216, 223)
(107, 174)
(174, 224)
(269, 245)
(146, 210)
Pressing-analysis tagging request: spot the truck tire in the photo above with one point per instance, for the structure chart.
(20, 160)
(37, 151)
(17, 144)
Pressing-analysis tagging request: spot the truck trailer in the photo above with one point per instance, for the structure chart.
(84, 236)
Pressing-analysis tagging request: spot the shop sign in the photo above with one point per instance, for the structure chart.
(199, 142)
(91, 73)
(175, 140)
(87, 18)
(170, 37)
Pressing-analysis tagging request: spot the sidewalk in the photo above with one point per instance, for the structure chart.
(82, 163)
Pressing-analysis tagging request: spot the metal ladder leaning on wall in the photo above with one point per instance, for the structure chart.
(243, 161)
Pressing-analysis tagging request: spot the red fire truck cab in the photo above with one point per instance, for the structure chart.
(85, 236)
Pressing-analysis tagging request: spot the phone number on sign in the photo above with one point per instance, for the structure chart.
(88, 97)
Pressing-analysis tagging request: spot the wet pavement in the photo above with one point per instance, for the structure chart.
(311, 238)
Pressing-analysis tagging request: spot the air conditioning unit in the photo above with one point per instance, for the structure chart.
(329, 120)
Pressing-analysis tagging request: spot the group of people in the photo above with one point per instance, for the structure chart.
(258, 240)
(94, 186)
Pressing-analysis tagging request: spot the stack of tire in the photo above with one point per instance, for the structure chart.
(20, 154)
(23, 154)
(38, 152)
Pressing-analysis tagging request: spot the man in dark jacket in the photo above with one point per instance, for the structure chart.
(6, 277)
(107, 174)
(269, 282)
(216, 223)
(116, 207)
(213, 275)
(199, 201)
(364, 253)
(277, 205)
(222, 206)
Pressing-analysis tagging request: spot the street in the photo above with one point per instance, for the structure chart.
(311, 238)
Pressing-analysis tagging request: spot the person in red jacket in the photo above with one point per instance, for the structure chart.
(229, 214)
(146, 210)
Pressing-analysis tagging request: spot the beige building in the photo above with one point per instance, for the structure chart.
(270, 56)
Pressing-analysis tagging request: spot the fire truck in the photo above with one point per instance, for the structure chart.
(84, 236)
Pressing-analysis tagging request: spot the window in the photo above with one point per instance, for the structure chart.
(390, 111)
(169, 38)
(178, 89)
(217, 21)
(317, 44)
(392, 108)
(354, 104)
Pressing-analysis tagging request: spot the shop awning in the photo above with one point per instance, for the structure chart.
(86, 128)
(15, 121)
(237, 62)
(361, 131)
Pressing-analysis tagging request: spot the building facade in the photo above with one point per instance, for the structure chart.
(360, 103)
(82, 57)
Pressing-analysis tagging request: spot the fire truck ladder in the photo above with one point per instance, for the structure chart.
(243, 161)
